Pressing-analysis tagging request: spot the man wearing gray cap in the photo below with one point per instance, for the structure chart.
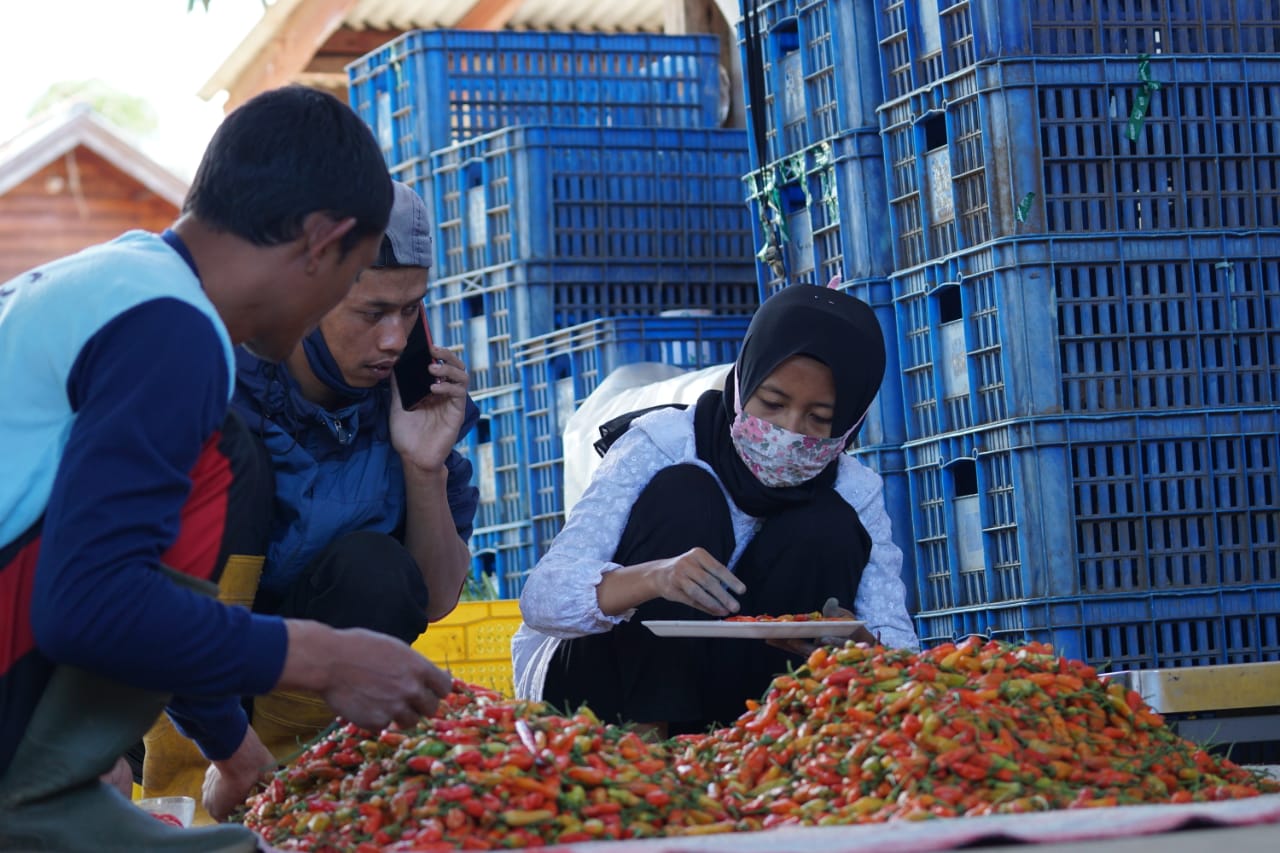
(372, 505)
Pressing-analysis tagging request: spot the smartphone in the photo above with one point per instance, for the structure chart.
(412, 375)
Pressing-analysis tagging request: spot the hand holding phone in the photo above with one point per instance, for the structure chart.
(413, 374)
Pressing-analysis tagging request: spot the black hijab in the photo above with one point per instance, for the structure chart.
(825, 324)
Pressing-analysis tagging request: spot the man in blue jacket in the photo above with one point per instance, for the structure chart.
(118, 366)
(372, 505)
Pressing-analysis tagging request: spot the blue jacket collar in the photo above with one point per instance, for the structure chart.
(271, 389)
(277, 395)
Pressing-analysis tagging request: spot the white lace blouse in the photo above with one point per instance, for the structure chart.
(559, 598)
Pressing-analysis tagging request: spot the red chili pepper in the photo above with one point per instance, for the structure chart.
(453, 793)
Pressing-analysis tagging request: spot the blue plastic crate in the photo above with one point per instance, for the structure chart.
(890, 464)
(922, 41)
(502, 557)
(481, 315)
(820, 213)
(541, 193)
(496, 450)
(559, 370)
(771, 13)
(1114, 633)
(1099, 325)
(1018, 148)
(1058, 508)
(944, 626)
(821, 56)
(430, 88)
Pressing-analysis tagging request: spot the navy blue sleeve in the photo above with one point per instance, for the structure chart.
(217, 725)
(148, 389)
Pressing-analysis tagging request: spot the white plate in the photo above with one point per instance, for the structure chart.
(750, 630)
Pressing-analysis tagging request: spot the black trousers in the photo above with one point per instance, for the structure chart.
(361, 580)
(796, 561)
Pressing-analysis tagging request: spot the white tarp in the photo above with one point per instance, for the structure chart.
(1099, 830)
(632, 387)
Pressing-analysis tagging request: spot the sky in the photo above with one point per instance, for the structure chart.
(153, 49)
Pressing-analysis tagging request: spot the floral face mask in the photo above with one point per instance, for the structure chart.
(777, 456)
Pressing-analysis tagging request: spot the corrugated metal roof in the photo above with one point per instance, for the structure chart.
(585, 15)
(599, 15)
(404, 14)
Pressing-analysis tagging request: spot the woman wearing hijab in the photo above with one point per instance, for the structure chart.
(745, 504)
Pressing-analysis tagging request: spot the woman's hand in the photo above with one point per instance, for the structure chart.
(699, 580)
(694, 578)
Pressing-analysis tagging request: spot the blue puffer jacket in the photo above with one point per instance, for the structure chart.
(336, 471)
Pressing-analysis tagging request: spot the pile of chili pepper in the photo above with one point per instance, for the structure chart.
(854, 735)
(485, 773)
(867, 734)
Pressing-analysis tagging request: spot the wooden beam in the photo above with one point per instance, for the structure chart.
(308, 26)
(675, 18)
(355, 43)
(698, 16)
(488, 14)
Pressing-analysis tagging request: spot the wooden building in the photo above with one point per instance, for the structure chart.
(71, 180)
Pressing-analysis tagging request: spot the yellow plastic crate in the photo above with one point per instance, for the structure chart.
(474, 642)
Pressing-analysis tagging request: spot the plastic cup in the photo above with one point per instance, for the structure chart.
(181, 808)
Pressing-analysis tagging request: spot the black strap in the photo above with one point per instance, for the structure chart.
(752, 31)
(612, 429)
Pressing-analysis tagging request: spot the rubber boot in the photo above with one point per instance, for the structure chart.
(50, 796)
(287, 720)
(173, 766)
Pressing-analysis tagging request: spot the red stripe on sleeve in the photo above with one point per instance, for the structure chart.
(17, 577)
(204, 516)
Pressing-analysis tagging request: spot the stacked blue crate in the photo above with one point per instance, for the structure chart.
(923, 41)
(1093, 532)
(820, 71)
(544, 227)
(430, 88)
(818, 184)
(501, 553)
(1091, 325)
(1084, 202)
(495, 448)
(817, 187)
(1083, 146)
(558, 371)
(572, 176)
